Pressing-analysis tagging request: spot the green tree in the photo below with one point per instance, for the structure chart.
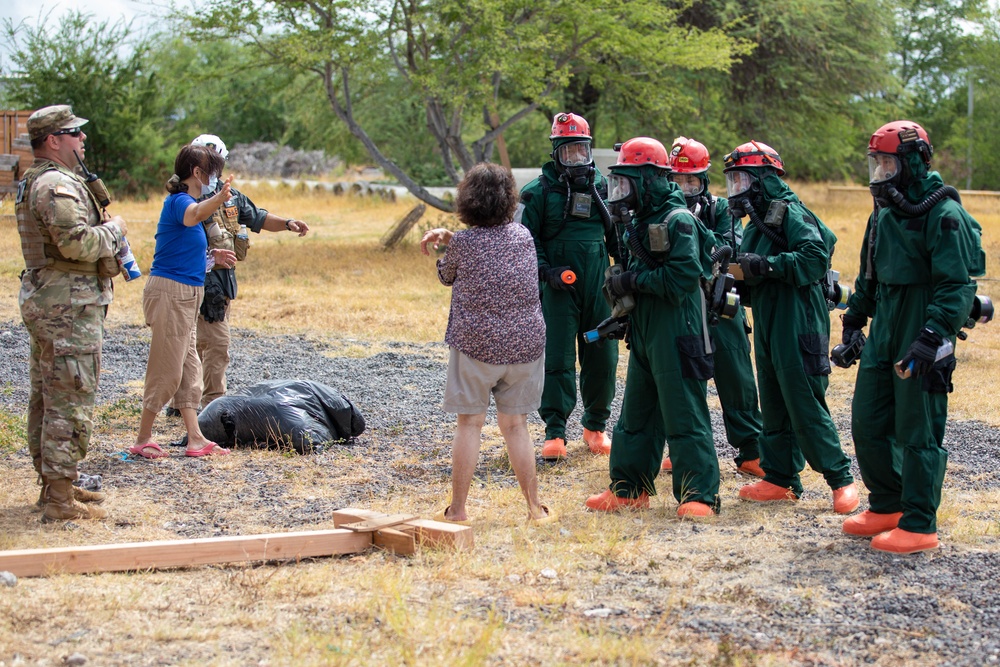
(467, 61)
(964, 137)
(101, 69)
(221, 87)
(812, 88)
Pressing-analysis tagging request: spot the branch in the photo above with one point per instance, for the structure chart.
(344, 113)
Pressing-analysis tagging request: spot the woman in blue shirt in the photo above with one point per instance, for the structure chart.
(173, 294)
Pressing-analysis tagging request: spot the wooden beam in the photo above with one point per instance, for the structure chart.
(424, 531)
(396, 541)
(439, 533)
(371, 525)
(182, 553)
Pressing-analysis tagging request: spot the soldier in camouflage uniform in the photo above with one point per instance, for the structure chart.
(69, 245)
(226, 229)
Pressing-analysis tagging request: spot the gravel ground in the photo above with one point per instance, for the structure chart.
(944, 604)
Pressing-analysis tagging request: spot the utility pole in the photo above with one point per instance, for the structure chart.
(968, 154)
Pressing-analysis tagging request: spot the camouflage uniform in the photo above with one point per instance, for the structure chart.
(64, 297)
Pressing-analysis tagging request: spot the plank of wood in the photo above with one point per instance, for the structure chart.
(352, 515)
(440, 534)
(384, 521)
(396, 541)
(182, 553)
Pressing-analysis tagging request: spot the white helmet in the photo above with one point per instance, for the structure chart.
(212, 141)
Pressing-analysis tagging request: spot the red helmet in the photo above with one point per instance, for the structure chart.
(569, 125)
(688, 156)
(754, 154)
(901, 136)
(641, 151)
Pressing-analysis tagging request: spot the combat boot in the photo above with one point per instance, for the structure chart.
(85, 496)
(62, 506)
(43, 494)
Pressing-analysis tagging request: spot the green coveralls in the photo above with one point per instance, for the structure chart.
(579, 244)
(669, 365)
(734, 378)
(921, 278)
(791, 325)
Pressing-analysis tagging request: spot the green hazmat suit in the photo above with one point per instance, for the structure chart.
(791, 323)
(918, 275)
(671, 358)
(562, 239)
(734, 376)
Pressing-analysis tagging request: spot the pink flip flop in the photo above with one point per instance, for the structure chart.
(140, 450)
(211, 449)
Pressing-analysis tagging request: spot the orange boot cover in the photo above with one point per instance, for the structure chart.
(845, 499)
(694, 509)
(609, 502)
(763, 492)
(751, 468)
(899, 541)
(869, 524)
(597, 441)
(554, 449)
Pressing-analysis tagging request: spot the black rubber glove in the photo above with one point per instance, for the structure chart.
(853, 324)
(920, 357)
(621, 285)
(552, 276)
(213, 306)
(753, 265)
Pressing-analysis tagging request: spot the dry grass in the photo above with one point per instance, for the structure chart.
(491, 605)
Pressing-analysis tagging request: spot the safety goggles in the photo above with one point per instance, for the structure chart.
(882, 167)
(690, 184)
(619, 187)
(575, 154)
(737, 182)
(71, 131)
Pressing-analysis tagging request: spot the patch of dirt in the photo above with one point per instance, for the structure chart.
(756, 586)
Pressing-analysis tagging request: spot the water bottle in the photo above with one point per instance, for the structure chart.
(126, 260)
(242, 234)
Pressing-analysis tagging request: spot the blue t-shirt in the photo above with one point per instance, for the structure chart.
(180, 251)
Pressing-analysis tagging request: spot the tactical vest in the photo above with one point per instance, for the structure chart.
(222, 227)
(36, 243)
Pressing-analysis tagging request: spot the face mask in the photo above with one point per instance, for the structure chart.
(210, 188)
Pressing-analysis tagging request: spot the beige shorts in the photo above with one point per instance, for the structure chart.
(516, 388)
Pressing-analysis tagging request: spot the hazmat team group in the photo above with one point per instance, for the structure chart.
(558, 275)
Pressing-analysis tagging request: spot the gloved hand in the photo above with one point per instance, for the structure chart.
(621, 285)
(553, 277)
(853, 324)
(922, 352)
(213, 307)
(753, 265)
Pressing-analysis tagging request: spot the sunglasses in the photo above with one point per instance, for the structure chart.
(73, 132)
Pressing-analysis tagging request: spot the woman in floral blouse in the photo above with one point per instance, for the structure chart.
(495, 330)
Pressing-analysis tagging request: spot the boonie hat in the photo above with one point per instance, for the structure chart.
(52, 119)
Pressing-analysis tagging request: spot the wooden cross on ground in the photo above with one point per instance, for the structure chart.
(356, 530)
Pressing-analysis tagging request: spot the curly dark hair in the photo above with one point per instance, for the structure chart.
(487, 196)
(188, 158)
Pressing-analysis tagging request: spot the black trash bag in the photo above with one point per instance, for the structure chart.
(280, 414)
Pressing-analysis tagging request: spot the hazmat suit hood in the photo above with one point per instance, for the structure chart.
(921, 182)
(774, 188)
(655, 193)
